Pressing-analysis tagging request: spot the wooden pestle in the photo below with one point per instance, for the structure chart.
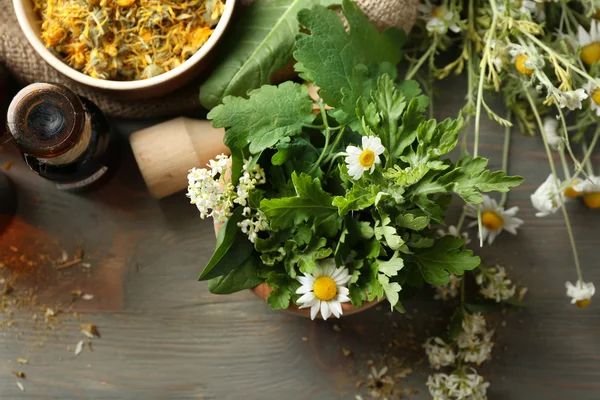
(167, 151)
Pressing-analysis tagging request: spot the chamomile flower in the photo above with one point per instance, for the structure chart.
(438, 18)
(548, 197)
(494, 219)
(324, 290)
(551, 132)
(364, 159)
(526, 60)
(572, 99)
(589, 42)
(593, 89)
(590, 189)
(581, 293)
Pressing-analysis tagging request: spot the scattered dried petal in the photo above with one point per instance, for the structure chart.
(19, 374)
(69, 264)
(64, 256)
(87, 296)
(89, 330)
(20, 386)
(77, 292)
(86, 265)
(78, 347)
(22, 361)
(304, 339)
(49, 313)
(346, 352)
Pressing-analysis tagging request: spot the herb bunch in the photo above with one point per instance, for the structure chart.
(336, 205)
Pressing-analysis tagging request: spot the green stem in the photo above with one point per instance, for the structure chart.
(578, 166)
(417, 66)
(461, 220)
(588, 155)
(563, 161)
(553, 169)
(588, 164)
(505, 151)
(327, 135)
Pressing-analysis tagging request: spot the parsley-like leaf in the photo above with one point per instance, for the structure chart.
(445, 257)
(271, 114)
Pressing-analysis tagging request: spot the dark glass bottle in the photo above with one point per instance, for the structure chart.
(63, 137)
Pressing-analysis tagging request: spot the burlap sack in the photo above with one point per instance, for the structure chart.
(23, 61)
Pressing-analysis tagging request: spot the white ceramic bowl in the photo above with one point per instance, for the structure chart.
(159, 85)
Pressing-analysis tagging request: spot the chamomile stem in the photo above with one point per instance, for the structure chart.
(588, 164)
(327, 136)
(553, 169)
(563, 161)
(463, 145)
(555, 54)
(461, 220)
(588, 154)
(505, 150)
(424, 57)
(578, 166)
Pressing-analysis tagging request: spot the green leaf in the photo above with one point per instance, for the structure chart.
(411, 221)
(255, 46)
(357, 198)
(391, 267)
(470, 177)
(455, 327)
(283, 289)
(233, 248)
(271, 114)
(483, 307)
(357, 295)
(328, 56)
(306, 259)
(446, 256)
(242, 277)
(514, 301)
(311, 202)
(383, 230)
(391, 289)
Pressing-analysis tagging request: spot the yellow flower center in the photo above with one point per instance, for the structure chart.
(583, 303)
(570, 192)
(491, 220)
(596, 96)
(366, 158)
(437, 12)
(520, 65)
(592, 199)
(591, 53)
(324, 288)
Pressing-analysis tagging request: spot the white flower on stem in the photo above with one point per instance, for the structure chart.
(494, 283)
(463, 384)
(254, 223)
(449, 290)
(589, 185)
(475, 341)
(551, 132)
(525, 59)
(548, 197)
(364, 159)
(325, 289)
(581, 293)
(494, 219)
(589, 42)
(572, 99)
(452, 230)
(438, 18)
(248, 181)
(439, 353)
(593, 89)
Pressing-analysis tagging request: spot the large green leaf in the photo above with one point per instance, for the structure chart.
(258, 43)
(271, 114)
(445, 257)
(233, 248)
(242, 277)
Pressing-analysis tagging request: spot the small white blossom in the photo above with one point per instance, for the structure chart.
(572, 99)
(463, 384)
(494, 283)
(581, 293)
(452, 230)
(364, 159)
(475, 341)
(589, 185)
(439, 353)
(449, 290)
(438, 18)
(548, 197)
(254, 223)
(551, 132)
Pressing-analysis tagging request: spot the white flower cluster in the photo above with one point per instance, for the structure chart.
(494, 283)
(254, 223)
(439, 353)
(210, 191)
(214, 195)
(449, 290)
(475, 341)
(463, 384)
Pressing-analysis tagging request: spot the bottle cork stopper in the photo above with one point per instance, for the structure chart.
(167, 151)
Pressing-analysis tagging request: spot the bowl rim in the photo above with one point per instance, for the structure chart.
(58, 64)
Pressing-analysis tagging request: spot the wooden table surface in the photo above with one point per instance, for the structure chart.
(164, 336)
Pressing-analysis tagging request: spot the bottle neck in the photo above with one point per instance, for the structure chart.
(78, 148)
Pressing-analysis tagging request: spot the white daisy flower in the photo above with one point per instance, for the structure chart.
(590, 189)
(593, 89)
(361, 160)
(324, 290)
(551, 132)
(589, 42)
(494, 219)
(438, 18)
(581, 293)
(548, 197)
(572, 99)
(526, 60)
